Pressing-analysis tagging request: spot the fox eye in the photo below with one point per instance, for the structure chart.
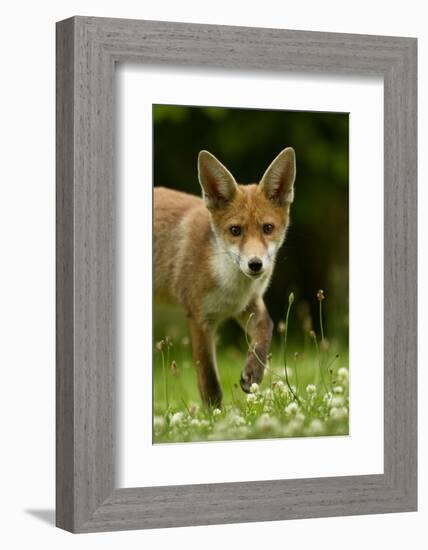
(235, 230)
(267, 228)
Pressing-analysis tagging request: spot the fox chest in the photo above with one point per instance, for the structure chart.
(231, 294)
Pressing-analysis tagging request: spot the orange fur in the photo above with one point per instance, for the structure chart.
(215, 274)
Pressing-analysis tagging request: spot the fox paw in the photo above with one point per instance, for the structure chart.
(252, 374)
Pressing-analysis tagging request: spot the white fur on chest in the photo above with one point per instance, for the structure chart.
(234, 290)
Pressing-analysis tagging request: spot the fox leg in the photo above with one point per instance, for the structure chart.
(203, 348)
(256, 320)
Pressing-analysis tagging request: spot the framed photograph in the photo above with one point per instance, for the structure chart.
(236, 274)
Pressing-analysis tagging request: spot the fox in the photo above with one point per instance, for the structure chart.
(214, 255)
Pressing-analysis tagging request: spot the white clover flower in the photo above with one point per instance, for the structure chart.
(251, 398)
(195, 423)
(285, 390)
(339, 413)
(337, 401)
(177, 418)
(291, 408)
(254, 388)
(279, 384)
(300, 417)
(236, 420)
(311, 389)
(291, 428)
(267, 423)
(158, 423)
(193, 409)
(327, 397)
(216, 412)
(316, 427)
(343, 375)
(337, 389)
(268, 393)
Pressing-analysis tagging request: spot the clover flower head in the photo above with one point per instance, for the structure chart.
(158, 423)
(251, 398)
(177, 418)
(337, 401)
(254, 388)
(316, 427)
(343, 375)
(338, 413)
(291, 408)
(311, 389)
(267, 423)
(216, 412)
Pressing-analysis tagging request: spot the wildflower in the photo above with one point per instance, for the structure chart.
(311, 389)
(193, 409)
(278, 385)
(337, 401)
(327, 397)
(300, 417)
(174, 368)
(268, 393)
(291, 408)
(337, 389)
(160, 345)
(235, 419)
(316, 427)
(338, 413)
(267, 423)
(251, 398)
(177, 418)
(291, 428)
(291, 298)
(320, 295)
(158, 423)
(195, 423)
(254, 388)
(281, 327)
(168, 341)
(343, 375)
(216, 412)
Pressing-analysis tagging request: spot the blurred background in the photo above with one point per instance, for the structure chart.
(316, 250)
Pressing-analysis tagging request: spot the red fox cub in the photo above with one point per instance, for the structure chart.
(215, 256)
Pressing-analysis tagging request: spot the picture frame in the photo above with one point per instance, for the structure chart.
(87, 50)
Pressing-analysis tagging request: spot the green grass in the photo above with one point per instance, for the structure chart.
(304, 392)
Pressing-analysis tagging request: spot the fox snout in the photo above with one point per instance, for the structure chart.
(255, 264)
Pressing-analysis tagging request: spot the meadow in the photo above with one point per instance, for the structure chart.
(304, 391)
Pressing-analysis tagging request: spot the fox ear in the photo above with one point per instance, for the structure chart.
(277, 182)
(218, 184)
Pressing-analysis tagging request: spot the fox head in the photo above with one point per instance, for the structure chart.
(249, 221)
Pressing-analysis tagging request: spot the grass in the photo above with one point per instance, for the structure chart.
(304, 392)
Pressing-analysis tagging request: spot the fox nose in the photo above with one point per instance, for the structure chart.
(255, 264)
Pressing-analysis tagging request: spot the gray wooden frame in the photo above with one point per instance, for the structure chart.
(87, 50)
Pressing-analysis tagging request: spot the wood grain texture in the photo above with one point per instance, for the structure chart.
(87, 50)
